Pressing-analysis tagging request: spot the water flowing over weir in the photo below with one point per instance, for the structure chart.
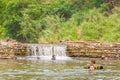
(45, 51)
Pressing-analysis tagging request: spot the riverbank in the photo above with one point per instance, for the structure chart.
(93, 49)
(11, 49)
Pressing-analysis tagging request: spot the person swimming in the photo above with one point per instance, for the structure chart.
(92, 65)
(53, 57)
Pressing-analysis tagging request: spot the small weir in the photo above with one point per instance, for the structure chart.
(45, 51)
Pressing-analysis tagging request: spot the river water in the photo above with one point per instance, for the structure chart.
(57, 70)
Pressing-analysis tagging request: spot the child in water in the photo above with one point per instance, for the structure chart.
(92, 65)
(53, 57)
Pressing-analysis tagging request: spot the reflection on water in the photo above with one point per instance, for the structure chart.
(57, 70)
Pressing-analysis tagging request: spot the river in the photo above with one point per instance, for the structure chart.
(57, 70)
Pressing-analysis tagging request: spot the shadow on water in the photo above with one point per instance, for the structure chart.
(57, 70)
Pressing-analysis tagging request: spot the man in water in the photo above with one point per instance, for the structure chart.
(92, 65)
(53, 57)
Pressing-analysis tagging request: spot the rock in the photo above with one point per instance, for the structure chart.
(93, 49)
(12, 47)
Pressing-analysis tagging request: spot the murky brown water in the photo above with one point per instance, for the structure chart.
(57, 70)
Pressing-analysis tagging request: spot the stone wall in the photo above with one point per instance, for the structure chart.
(10, 48)
(93, 49)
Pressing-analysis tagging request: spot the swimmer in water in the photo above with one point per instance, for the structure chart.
(92, 65)
(53, 57)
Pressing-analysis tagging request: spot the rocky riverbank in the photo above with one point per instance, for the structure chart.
(10, 48)
(93, 49)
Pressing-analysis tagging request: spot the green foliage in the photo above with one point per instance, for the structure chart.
(112, 24)
(54, 20)
(2, 32)
(98, 27)
(12, 19)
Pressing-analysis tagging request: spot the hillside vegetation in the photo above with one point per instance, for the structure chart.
(39, 21)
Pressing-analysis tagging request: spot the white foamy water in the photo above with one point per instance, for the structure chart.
(45, 51)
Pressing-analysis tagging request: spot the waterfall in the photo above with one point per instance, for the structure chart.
(45, 51)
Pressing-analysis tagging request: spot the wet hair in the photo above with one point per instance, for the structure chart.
(53, 55)
(93, 61)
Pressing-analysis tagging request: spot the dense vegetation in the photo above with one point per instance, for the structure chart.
(55, 20)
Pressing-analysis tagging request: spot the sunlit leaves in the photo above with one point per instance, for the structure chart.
(96, 26)
(54, 20)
